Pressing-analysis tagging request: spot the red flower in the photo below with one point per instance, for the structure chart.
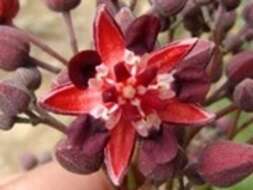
(8, 10)
(133, 94)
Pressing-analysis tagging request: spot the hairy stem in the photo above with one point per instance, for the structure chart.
(227, 110)
(69, 23)
(243, 127)
(45, 66)
(40, 44)
(217, 95)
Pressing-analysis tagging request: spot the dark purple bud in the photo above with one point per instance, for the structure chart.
(14, 51)
(165, 22)
(233, 43)
(61, 79)
(240, 67)
(168, 7)
(243, 95)
(7, 121)
(14, 97)
(28, 161)
(30, 77)
(230, 4)
(82, 151)
(82, 67)
(192, 82)
(138, 38)
(230, 19)
(215, 67)
(157, 153)
(248, 14)
(194, 22)
(124, 18)
(62, 5)
(200, 55)
(225, 163)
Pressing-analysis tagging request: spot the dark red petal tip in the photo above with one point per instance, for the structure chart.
(82, 67)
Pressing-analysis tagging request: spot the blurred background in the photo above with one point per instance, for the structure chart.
(49, 26)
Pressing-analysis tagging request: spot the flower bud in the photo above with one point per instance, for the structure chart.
(82, 151)
(62, 5)
(240, 67)
(225, 163)
(124, 18)
(14, 98)
(229, 20)
(168, 7)
(28, 161)
(30, 77)
(194, 22)
(8, 10)
(215, 67)
(156, 155)
(14, 51)
(7, 121)
(233, 43)
(248, 14)
(243, 95)
(230, 4)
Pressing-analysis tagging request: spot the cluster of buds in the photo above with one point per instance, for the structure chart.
(140, 102)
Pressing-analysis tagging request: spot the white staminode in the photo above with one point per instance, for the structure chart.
(151, 121)
(100, 111)
(164, 86)
(132, 60)
(102, 71)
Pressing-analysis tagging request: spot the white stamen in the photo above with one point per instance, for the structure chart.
(102, 71)
(165, 80)
(129, 92)
(131, 59)
(100, 111)
(143, 126)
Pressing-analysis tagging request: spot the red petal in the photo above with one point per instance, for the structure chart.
(109, 39)
(167, 57)
(184, 113)
(151, 101)
(119, 150)
(71, 100)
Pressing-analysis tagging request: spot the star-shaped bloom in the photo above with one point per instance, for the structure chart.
(133, 93)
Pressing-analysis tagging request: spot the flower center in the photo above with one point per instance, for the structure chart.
(129, 92)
